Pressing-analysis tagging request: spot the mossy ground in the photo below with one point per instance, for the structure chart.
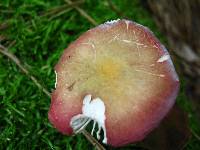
(39, 42)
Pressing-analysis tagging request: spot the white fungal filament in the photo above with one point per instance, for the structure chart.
(153, 74)
(91, 110)
(56, 79)
(163, 58)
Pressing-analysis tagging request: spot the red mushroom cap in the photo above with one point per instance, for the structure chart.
(126, 66)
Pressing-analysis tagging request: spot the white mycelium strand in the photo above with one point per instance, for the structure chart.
(91, 110)
(163, 58)
(112, 21)
(56, 79)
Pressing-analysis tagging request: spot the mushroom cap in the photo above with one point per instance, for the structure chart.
(125, 65)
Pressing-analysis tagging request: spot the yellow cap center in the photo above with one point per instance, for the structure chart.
(108, 69)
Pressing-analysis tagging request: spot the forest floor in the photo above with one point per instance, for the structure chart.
(37, 32)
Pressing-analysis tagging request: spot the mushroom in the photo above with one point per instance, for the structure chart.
(117, 75)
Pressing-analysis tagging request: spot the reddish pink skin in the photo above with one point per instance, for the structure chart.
(137, 131)
(127, 131)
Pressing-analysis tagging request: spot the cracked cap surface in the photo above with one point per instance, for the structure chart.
(118, 62)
